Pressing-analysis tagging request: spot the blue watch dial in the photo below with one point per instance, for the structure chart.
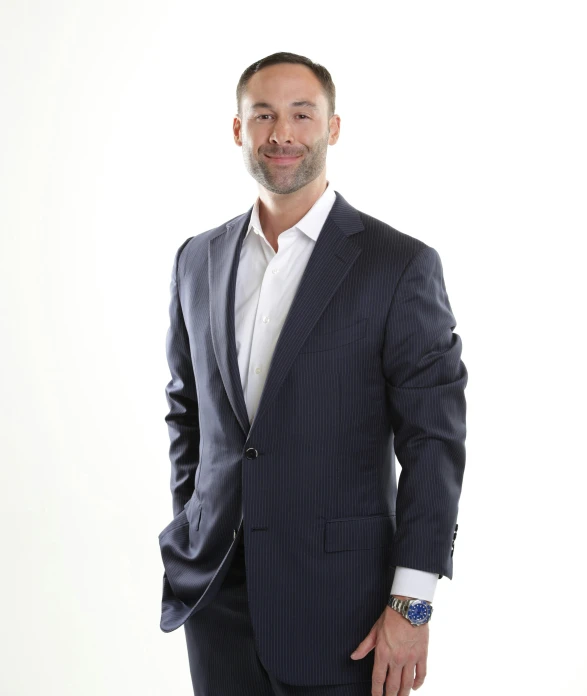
(419, 612)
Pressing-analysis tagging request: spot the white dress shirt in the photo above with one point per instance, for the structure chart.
(266, 283)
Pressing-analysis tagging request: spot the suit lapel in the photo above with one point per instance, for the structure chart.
(331, 259)
(223, 257)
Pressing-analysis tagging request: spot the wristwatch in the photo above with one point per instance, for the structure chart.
(417, 611)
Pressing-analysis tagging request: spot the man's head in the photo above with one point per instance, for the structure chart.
(285, 107)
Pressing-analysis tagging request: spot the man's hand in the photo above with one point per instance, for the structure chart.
(399, 647)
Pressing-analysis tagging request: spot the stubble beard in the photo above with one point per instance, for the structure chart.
(287, 179)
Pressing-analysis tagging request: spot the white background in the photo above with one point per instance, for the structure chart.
(462, 124)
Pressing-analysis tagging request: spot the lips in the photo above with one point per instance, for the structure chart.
(279, 159)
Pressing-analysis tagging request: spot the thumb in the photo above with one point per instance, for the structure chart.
(366, 645)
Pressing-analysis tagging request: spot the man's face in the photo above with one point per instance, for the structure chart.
(274, 126)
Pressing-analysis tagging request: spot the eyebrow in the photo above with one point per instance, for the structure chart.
(304, 102)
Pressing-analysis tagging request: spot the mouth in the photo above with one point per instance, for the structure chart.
(283, 160)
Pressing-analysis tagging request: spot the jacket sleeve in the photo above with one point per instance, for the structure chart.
(182, 418)
(425, 380)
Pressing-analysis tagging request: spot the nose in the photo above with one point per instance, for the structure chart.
(282, 132)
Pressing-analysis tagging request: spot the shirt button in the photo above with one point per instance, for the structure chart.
(275, 270)
(265, 320)
(257, 370)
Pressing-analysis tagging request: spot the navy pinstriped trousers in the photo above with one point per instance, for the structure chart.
(221, 649)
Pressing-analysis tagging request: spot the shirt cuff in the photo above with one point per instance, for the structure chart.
(414, 583)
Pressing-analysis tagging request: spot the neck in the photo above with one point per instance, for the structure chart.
(278, 211)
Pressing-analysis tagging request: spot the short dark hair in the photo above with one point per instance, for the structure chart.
(275, 58)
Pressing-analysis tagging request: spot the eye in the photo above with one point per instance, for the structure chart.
(264, 117)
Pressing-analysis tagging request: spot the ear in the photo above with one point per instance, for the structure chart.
(334, 125)
(236, 129)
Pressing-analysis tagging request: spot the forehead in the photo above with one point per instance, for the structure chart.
(282, 84)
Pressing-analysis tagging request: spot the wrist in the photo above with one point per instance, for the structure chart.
(399, 596)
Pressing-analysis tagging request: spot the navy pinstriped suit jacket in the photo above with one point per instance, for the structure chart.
(367, 367)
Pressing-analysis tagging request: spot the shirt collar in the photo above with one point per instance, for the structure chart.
(311, 223)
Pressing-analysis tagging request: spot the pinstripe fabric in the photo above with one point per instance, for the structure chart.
(366, 367)
(222, 653)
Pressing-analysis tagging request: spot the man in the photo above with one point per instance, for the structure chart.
(309, 344)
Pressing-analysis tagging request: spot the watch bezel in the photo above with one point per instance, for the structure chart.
(418, 603)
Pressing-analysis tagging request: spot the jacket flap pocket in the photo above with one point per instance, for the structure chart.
(350, 533)
(178, 521)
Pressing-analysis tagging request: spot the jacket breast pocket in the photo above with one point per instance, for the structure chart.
(350, 533)
(338, 337)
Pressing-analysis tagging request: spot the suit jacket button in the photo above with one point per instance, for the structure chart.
(251, 453)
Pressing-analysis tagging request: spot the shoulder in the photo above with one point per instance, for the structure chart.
(194, 248)
(392, 247)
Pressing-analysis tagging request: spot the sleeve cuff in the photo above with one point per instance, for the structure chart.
(414, 583)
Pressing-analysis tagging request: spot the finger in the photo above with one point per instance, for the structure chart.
(378, 676)
(393, 681)
(407, 679)
(366, 645)
(420, 674)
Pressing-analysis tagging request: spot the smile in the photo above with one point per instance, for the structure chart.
(283, 160)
